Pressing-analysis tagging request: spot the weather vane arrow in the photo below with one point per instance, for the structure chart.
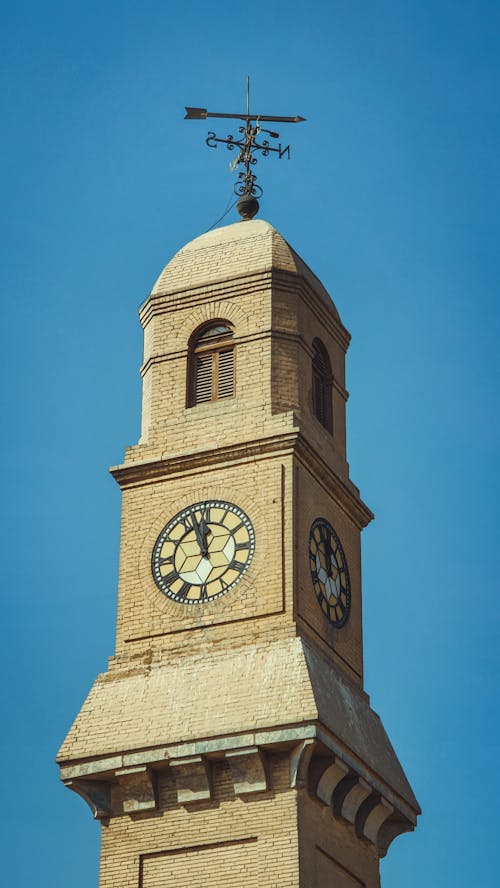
(202, 114)
(246, 186)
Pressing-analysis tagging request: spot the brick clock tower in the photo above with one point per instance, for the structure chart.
(231, 742)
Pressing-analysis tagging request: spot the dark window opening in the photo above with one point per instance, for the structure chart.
(322, 385)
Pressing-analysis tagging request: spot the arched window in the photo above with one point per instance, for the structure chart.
(211, 364)
(322, 385)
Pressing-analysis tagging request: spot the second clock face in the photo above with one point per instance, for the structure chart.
(329, 572)
(203, 551)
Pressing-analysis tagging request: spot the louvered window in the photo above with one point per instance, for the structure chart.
(211, 364)
(225, 373)
(203, 383)
(322, 385)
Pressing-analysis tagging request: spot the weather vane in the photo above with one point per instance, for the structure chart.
(248, 146)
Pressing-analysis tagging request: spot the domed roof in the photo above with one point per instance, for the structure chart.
(237, 250)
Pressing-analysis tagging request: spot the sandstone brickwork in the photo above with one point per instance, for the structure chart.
(231, 741)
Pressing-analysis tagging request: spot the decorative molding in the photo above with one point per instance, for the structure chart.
(321, 304)
(318, 300)
(150, 756)
(220, 309)
(148, 471)
(375, 818)
(317, 766)
(353, 799)
(91, 768)
(97, 794)
(390, 830)
(330, 779)
(168, 300)
(346, 494)
(300, 759)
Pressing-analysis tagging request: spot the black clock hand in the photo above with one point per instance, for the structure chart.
(201, 530)
(199, 537)
(328, 553)
(204, 531)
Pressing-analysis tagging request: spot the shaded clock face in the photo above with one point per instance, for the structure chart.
(203, 551)
(329, 572)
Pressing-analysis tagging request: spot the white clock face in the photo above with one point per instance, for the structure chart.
(203, 552)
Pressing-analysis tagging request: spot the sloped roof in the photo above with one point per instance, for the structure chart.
(244, 248)
(255, 687)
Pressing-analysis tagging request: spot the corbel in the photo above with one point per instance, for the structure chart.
(349, 796)
(192, 777)
(97, 794)
(300, 758)
(138, 787)
(248, 770)
(330, 779)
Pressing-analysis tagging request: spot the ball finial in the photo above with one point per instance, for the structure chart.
(247, 206)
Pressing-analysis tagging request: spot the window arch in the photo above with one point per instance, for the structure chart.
(211, 363)
(322, 385)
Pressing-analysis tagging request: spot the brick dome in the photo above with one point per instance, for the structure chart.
(234, 251)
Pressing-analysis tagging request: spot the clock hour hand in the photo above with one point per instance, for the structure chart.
(201, 531)
(198, 534)
(204, 531)
(328, 554)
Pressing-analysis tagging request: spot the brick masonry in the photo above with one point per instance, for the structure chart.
(231, 742)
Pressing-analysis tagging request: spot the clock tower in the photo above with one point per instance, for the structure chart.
(231, 741)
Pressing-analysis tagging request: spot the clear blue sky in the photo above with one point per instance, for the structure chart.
(392, 197)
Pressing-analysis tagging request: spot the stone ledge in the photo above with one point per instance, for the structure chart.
(316, 766)
(142, 471)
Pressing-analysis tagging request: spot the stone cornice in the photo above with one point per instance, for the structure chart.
(148, 471)
(327, 317)
(346, 494)
(157, 304)
(317, 766)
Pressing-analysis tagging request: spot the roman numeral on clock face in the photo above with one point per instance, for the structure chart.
(183, 591)
(242, 546)
(237, 528)
(170, 577)
(205, 513)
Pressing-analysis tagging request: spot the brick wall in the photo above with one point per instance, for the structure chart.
(224, 842)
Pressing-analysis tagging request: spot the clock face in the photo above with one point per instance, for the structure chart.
(203, 551)
(329, 572)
